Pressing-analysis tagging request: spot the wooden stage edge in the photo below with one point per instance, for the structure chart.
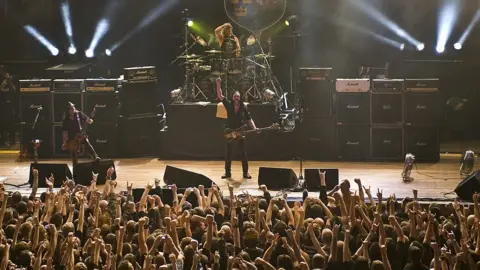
(432, 180)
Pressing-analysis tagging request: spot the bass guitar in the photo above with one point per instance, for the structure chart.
(75, 143)
(234, 134)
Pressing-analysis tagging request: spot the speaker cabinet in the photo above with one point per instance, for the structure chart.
(277, 178)
(422, 108)
(387, 143)
(316, 98)
(82, 172)
(30, 103)
(387, 108)
(423, 143)
(312, 178)
(60, 101)
(139, 98)
(315, 138)
(469, 186)
(105, 103)
(353, 142)
(60, 172)
(140, 136)
(103, 137)
(353, 108)
(185, 179)
(42, 132)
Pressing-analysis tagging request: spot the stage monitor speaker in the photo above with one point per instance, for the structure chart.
(82, 172)
(105, 103)
(316, 98)
(422, 108)
(60, 172)
(185, 179)
(277, 178)
(469, 186)
(29, 105)
(60, 101)
(139, 98)
(353, 108)
(312, 178)
(387, 108)
(387, 142)
(353, 142)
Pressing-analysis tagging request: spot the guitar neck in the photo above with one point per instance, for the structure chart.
(255, 130)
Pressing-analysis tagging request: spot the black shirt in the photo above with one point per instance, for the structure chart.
(73, 126)
(235, 119)
(229, 46)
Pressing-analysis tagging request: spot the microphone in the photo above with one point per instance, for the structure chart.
(407, 167)
(40, 108)
(468, 161)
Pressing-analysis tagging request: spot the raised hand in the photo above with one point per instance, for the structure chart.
(110, 172)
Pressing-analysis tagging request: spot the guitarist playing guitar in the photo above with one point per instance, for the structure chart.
(74, 124)
(236, 114)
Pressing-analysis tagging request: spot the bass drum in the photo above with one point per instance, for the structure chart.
(207, 86)
(236, 66)
(218, 67)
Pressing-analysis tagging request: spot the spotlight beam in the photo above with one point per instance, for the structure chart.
(447, 19)
(376, 15)
(151, 17)
(376, 36)
(102, 28)
(469, 29)
(43, 40)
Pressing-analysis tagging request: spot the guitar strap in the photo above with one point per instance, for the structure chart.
(78, 121)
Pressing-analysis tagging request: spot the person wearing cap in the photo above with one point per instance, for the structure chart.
(74, 122)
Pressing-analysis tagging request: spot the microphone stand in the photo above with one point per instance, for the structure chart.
(35, 142)
(300, 177)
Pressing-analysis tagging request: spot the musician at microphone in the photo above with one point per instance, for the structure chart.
(74, 123)
(236, 113)
(7, 107)
(228, 42)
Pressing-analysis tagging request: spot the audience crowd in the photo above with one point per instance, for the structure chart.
(79, 227)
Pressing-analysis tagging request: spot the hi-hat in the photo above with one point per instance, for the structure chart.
(213, 51)
(190, 56)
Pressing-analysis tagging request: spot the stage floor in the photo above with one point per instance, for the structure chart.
(432, 182)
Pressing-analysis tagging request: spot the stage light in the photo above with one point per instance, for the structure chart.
(72, 50)
(287, 23)
(43, 40)
(407, 167)
(100, 31)
(190, 23)
(467, 31)
(468, 161)
(402, 47)
(372, 12)
(420, 47)
(446, 21)
(155, 13)
(269, 94)
(67, 21)
(108, 52)
(89, 53)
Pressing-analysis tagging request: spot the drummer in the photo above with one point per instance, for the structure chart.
(228, 42)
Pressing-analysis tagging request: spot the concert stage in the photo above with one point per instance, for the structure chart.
(434, 178)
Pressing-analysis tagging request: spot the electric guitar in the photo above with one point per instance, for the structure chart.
(233, 134)
(75, 143)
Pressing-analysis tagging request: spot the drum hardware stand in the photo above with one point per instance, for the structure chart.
(254, 88)
(196, 87)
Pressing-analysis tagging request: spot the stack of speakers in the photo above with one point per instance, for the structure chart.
(140, 121)
(385, 118)
(315, 134)
(49, 99)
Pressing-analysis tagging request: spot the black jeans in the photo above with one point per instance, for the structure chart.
(74, 154)
(228, 156)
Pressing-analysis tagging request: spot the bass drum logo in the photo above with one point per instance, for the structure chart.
(255, 15)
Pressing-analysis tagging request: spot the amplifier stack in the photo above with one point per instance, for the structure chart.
(140, 106)
(386, 118)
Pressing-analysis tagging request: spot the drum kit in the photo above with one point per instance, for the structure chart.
(251, 75)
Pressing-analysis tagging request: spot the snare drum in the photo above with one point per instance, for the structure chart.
(236, 65)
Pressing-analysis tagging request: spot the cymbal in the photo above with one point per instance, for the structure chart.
(195, 60)
(262, 55)
(189, 56)
(213, 51)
